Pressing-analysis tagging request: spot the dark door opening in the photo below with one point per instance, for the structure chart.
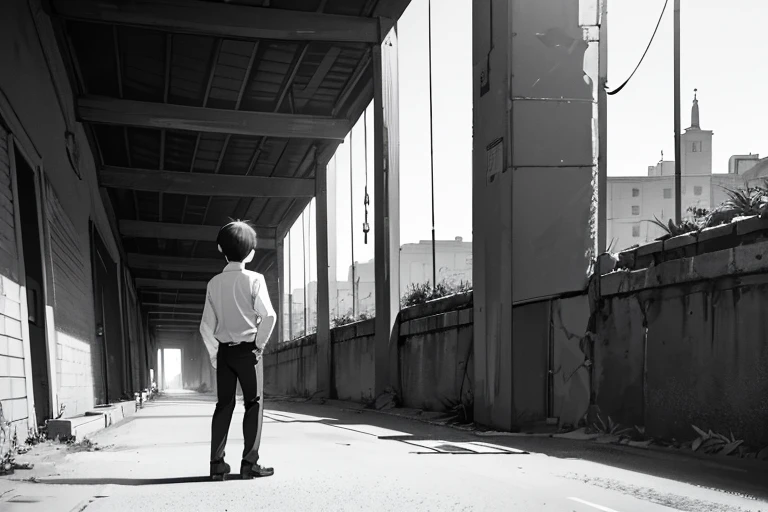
(33, 274)
(107, 353)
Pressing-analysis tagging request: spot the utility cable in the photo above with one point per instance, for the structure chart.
(616, 91)
(352, 223)
(432, 149)
(366, 199)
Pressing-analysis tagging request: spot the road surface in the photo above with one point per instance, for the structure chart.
(328, 458)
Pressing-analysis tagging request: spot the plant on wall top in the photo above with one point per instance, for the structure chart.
(421, 293)
(742, 202)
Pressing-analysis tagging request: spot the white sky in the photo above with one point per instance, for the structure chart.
(452, 125)
(722, 55)
(723, 49)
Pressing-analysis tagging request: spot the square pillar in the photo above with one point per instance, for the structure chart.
(271, 279)
(386, 210)
(325, 384)
(280, 306)
(535, 141)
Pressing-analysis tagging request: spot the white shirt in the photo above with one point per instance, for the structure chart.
(237, 309)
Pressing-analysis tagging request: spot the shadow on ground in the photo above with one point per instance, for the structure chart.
(720, 475)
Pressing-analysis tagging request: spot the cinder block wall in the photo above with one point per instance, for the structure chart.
(13, 387)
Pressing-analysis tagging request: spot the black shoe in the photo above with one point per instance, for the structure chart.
(249, 471)
(219, 469)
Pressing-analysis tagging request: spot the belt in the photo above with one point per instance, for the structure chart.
(236, 342)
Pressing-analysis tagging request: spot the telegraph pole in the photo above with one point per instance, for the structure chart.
(678, 149)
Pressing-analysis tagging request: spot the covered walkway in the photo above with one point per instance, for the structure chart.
(337, 457)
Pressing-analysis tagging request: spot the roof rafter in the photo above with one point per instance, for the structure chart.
(203, 184)
(225, 20)
(104, 110)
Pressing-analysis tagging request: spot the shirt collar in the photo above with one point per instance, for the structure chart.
(234, 266)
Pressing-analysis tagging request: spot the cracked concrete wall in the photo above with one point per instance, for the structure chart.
(570, 375)
(704, 360)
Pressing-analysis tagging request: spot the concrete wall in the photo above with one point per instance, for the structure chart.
(435, 354)
(291, 368)
(436, 368)
(684, 342)
(353, 361)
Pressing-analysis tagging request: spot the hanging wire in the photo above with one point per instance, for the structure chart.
(304, 264)
(616, 91)
(290, 290)
(352, 223)
(367, 199)
(432, 148)
(309, 251)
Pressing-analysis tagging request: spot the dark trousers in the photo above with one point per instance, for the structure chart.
(238, 363)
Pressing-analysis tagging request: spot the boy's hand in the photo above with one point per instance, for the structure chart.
(258, 352)
(213, 362)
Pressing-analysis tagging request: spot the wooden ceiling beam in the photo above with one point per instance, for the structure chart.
(172, 306)
(225, 20)
(169, 231)
(204, 184)
(174, 264)
(170, 284)
(142, 114)
(177, 313)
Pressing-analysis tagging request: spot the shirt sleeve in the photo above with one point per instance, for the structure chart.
(263, 307)
(208, 327)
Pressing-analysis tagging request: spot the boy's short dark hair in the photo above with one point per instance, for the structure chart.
(237, 239)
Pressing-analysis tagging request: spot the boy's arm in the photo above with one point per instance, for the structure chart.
(265, 312)
(208, 327)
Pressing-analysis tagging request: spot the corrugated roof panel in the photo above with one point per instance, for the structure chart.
(178, 150)
(94, 45)
(142, 55)
(239, 154)
(190, 62)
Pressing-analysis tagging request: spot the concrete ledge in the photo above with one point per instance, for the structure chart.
(92, 421)
(436, 323)
(437, 306)
(354, 331)
(746, 231)
(742, 260)
(751, 225)
(76, 427)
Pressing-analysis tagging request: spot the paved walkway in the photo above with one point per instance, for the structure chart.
(327, 458)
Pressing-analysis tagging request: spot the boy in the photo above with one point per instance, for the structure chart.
(237, 321)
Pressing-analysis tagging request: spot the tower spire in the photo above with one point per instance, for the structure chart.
(695, 111)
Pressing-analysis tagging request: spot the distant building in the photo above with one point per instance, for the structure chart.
(454, 266)
(633, 202)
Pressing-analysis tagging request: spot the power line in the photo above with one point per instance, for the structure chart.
(432, 149)
(616, 91)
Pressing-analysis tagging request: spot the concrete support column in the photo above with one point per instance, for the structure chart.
(386, 204)
(280, 306)
(325, 384)
(536, 141)
(273, 288)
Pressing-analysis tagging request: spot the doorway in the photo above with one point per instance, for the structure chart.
(170, 371)
(29, 221)
(107, 353)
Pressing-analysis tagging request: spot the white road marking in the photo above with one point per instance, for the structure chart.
(598, 507)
